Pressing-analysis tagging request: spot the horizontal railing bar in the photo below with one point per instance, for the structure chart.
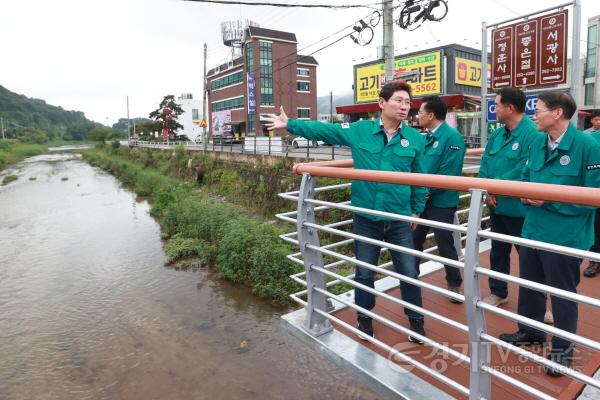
(421, 310)
(287, 219)
(540, 325)
(328, 266)
(289, 240)
(401, 249)
(298, 300)
(416, 282)
(397, 217)
(541, 191)
(330, 246)
(294, 259)
(541, 360)
(565, 294)
(321, 208)
(288, 197)
(332, 187)
(523, 386)
(407, 331)
(553, 248)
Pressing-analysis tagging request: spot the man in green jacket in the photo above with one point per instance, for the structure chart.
(386, 144)
(594, 267)
(565, 156)
(444, 155)
(504, 158)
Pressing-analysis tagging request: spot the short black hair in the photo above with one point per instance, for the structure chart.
(562, 100)
(435, 105)
(392, 87)
(513, 96)
(595, 113)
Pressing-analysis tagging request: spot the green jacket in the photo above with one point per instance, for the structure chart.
(444, 155)
(504, 158)
(596, 135)
(404, 153)
(575, 162)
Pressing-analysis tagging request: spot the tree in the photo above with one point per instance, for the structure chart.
(161, 114)
(78, 131)
(101, 134)
(33, 135)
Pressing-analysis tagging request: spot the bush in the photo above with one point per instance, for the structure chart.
(9, 178)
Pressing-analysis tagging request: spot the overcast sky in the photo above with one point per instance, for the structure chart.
(89, 55)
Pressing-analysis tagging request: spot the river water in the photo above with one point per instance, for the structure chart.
(89, 311)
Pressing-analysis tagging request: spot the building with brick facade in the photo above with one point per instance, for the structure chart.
(270, 73)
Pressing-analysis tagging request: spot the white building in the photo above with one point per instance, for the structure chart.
(191, 117)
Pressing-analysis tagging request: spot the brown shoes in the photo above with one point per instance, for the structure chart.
(592, 270)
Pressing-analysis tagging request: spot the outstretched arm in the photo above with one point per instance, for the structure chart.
(273, 121)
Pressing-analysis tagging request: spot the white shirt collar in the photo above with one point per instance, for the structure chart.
(554, 144)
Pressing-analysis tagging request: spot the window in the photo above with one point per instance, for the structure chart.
(589, 94)
(249, 57)
(228, 80)
(229, 104)
(303, 86)
(303, 113)
(592, 45)
(266, 73)
(251, 123)
(303, 72)
(195, 113)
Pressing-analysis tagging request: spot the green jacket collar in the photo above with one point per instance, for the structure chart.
(515, 133)
(378, 128)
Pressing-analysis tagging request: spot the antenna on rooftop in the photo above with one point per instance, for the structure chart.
(233, 35)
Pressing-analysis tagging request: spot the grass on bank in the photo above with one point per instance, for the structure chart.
(8, 179)
(12, 151)
(241, 247)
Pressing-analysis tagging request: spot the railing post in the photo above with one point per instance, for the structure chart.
(332, 152)
(315, 323)
(456, 238)
(480, 381)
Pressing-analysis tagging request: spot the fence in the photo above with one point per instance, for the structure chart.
(316, 299)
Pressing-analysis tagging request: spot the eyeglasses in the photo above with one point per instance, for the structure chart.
(423, 112)
(538, 111)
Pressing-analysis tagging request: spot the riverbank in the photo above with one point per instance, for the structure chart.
(13, 151)
(197, 226)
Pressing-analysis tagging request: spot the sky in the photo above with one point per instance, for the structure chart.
(90, 55)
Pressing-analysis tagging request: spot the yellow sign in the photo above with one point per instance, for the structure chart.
(468, 72)
(368, 78)
(203, 123)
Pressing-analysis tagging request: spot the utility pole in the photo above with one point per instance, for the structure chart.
(204, 100)
(388, 40)
(134, 136)
(2, 127)
(128, 131)
(330, 106)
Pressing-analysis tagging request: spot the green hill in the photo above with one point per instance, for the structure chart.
(22, 113)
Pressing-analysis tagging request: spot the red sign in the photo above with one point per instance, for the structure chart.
(526, 53)
(553, 46)
(531, 53)
(502, 57)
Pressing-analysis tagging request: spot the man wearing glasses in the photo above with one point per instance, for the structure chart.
(444, 155)
(505, 156)
(386, 144)
(565, 156)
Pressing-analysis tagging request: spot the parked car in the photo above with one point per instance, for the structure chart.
(302, 142)
(181, 138)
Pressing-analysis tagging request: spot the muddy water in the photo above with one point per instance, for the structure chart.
(89, 311)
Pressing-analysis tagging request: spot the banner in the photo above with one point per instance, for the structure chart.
(468, 72)
(368, 78)
(251, 93)
(221, 123)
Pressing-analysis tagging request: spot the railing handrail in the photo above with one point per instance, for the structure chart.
(540, 191)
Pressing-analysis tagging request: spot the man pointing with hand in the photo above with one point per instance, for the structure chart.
(386, 144)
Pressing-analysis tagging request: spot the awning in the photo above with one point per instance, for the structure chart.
(234, 123)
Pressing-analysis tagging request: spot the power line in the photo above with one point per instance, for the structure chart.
(297, 5)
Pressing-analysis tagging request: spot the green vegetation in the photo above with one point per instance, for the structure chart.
(11, 152)
(239, 245)
(9, 178)
(64, 178)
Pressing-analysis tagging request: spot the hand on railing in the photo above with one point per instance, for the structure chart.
(490, 200)
(532, 202)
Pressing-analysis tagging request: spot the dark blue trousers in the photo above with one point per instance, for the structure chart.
(443, 239)
(500, 254)
(394, 232)
(552, 269)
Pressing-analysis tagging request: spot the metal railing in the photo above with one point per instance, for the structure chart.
(318, 295)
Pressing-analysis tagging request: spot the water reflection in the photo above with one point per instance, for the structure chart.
(88, 310)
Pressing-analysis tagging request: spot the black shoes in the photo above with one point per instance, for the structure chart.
(455, 289)
(521, 338)
(558, 357)
(416, 325)
(365, 325)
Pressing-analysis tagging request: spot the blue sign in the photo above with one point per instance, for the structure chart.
(530, 104)
(251, 93)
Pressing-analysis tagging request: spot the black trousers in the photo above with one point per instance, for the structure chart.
(500, 254)
(443, 239)
(596, 246)
(552, 269)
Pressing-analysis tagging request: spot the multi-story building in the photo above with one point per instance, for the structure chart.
(191, 116)
(591, 84)
(270, 73)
